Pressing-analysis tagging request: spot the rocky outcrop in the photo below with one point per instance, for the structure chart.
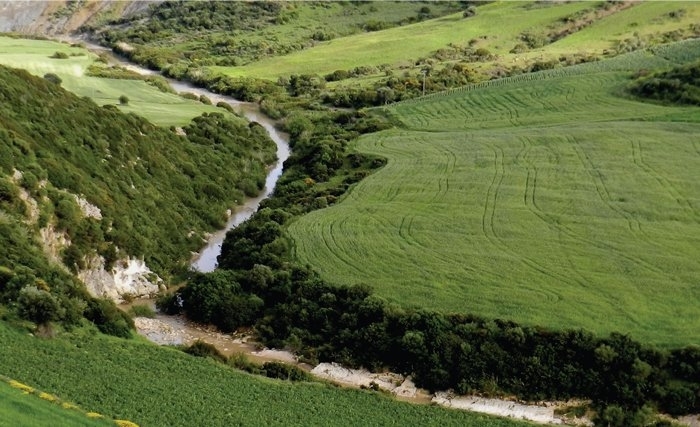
(88, 209)
(53, 242)
(128, 278)
(19, 15)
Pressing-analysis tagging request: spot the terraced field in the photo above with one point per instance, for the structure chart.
(550, 199)
(35, 56)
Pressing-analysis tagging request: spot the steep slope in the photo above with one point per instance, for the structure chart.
(62, 17)
(98, 187)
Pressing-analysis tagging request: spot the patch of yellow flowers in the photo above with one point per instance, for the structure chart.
(65, 405)
(25, 388)
(46, 396)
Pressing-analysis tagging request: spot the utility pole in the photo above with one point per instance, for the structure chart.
(425, 72)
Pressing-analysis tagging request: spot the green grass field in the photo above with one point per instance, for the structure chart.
(35, 56)
(156, 386)
(19, 409)
(547, 199)
(495, 28)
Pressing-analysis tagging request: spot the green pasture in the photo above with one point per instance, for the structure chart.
(644, 18)
(19, 409)
(497, 27)
(400, 44)
(548, 199)
(156, 386)
(35, 56)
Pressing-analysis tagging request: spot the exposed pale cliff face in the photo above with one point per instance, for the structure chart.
(53, 242)
(52, 18)
(19, 15)
(128, 278)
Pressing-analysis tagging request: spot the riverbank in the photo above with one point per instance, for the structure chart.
(177, 330)
(206, 259)
(448, 398)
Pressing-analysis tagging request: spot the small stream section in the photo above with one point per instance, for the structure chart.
(206, 260)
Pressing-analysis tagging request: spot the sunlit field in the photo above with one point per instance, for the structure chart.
(551, 199)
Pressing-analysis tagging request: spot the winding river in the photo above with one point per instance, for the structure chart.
(205, 261)
(175, 330)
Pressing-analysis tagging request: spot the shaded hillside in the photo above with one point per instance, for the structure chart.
(94, 181)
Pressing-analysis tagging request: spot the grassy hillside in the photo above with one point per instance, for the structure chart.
(497, 27)
(149, 183)
(35, 56)
(550, 199)
(20, 409)
(410, 42)
(154, 386)
(236, 33)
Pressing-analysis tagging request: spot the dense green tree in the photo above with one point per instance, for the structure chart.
(39, 306)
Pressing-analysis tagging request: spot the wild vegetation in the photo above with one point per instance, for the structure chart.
(86, 75)
(679, 85)
(509, 133)
(522, 123)
(236, 33)
(170, 388)
(375, 68)
(57, 148)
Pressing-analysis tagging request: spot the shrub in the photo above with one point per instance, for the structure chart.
(469, 12)
(169, 303)
(53, 78)
(241, 361)
(39, 306)
(8, 191)
(284, 371)
(124, 100)
(59, 55)
(226, 106)
(141, 310)
(108, 318)
(189, 95)
(203, 349)
(534, 40)
(160, 83)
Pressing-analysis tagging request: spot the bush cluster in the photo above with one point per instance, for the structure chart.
(679, 85)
